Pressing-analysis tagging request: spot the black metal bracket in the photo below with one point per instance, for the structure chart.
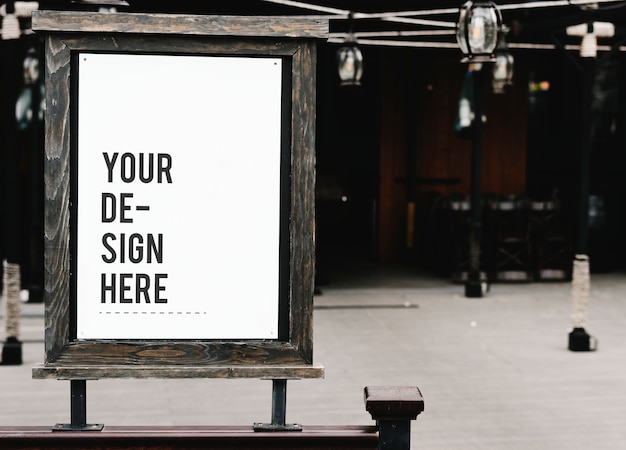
(78, 406)
(279, 410)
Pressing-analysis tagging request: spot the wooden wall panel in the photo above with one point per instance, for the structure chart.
(428, 148)
(392, 195)
(440, 153)
(505, 138)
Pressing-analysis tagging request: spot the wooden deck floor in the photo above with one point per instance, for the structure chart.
(495, 372)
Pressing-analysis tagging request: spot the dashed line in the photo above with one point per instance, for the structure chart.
(152, 313)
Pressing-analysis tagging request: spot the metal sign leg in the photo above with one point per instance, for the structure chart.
(78, 410)
(279, 410)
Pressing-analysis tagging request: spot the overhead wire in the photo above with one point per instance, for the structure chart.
(411, 18)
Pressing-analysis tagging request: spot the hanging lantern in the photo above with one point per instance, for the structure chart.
(503, 66)
(477, 31)
(30, 67)
(350, 63)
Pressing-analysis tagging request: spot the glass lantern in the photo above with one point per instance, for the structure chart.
(477, 31)
(350, 63)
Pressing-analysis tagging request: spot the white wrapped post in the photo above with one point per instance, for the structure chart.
(580, 291)
(579, 340)
(12, 306)
(12, 348)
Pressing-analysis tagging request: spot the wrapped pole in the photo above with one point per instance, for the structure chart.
(579, 340)
(11, 281)
(10, 34)
(580, 291)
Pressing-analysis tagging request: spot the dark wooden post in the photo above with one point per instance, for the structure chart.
(393, 408)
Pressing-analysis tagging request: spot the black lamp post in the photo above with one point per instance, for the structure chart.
(477, 35)
(579, 339)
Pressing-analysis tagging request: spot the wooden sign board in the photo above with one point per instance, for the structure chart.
(179, 176)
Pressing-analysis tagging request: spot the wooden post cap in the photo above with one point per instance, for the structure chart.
(393, 402)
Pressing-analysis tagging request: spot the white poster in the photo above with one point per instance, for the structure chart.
(178, 197)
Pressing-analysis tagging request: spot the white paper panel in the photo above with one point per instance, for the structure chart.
(203, 223)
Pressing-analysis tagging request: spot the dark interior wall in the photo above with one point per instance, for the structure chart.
(21, 174)
(444, 156)
(346, 162)
(531, 144)
(422, 156)
(399, 125)
(554, 147)
(393, 168)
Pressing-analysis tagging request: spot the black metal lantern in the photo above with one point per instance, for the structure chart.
(503, 66)
(350, 63)
(477, 31)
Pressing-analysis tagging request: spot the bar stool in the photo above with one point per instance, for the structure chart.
(552, 249)
(510, 236)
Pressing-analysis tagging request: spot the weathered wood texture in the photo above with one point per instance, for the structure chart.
(302, 234)
(269, 26)
(393, 408)
(393, 402)
(76, 371)
(191, 438)
(57, 198)
(69, 358)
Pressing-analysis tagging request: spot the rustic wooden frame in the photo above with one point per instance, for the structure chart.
(292, 39)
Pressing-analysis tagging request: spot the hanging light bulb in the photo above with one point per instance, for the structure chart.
(10, 23)
(477, 30)
(590, 32)
(503, 65)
